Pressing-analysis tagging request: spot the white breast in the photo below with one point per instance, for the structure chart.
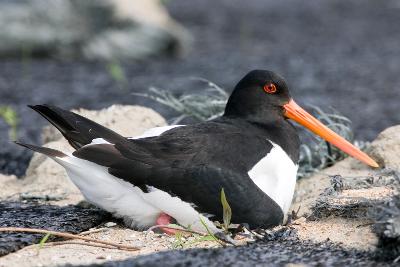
(275, 175)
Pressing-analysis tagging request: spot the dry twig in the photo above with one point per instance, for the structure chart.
(176, 228)
(60, 243)
(67, 235)
(94, 231)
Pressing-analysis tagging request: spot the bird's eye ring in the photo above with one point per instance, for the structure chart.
(270, 88)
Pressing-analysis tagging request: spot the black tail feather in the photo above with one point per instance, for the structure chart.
(43, 150)
(78, 130)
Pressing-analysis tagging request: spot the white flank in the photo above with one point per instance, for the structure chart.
(123, 200)
(275, 175)
(106, 191)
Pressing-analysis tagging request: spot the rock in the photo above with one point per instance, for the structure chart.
(110, 224)
(8, 183)
(99, 30)
(309, 189)
(386, 148)
(45, 178)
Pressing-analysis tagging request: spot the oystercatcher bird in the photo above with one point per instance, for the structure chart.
(177, 172)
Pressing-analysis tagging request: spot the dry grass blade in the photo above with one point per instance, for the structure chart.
(209, 236)
(94, 231)
(208, 105)
(227, 211)
(61, 243)
(176, 228)
(67, 235)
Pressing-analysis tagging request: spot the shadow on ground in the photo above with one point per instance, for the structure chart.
(72, 219)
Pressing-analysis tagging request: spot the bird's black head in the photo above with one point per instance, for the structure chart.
(259, 96)
(262, 97)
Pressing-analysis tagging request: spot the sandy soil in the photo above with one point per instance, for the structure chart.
(82, 254)
(349, 233)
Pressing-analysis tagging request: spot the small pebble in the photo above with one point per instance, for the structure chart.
(110, 224)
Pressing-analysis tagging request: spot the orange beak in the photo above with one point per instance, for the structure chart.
(299, 115)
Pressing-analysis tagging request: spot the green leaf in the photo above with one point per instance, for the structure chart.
(10, 116)
(227, 211)
(208, 229)
(174, 225)
(117, 72)
(44, 240)
(178, 240)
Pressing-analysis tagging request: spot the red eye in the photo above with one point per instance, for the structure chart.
(270, 88)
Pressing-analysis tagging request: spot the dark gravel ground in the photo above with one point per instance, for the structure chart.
(72, 219)
(279, 250)
(341, 53)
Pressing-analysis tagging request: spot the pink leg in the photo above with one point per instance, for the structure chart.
(165, 219)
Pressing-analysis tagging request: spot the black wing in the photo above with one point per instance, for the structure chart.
(78, 130)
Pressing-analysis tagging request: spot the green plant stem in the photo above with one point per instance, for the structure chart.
(44, 240)
(211, 234)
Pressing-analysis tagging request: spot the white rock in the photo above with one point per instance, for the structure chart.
(110, 224)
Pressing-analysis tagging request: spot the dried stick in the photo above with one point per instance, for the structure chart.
(176, 228)
(60, 243)
(94, 231)
(66, 235)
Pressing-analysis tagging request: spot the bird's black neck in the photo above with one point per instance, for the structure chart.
(278, 131)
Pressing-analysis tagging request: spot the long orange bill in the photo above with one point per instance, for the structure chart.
(299, 115)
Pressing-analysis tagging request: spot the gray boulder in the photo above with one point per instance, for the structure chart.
(96, 30)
